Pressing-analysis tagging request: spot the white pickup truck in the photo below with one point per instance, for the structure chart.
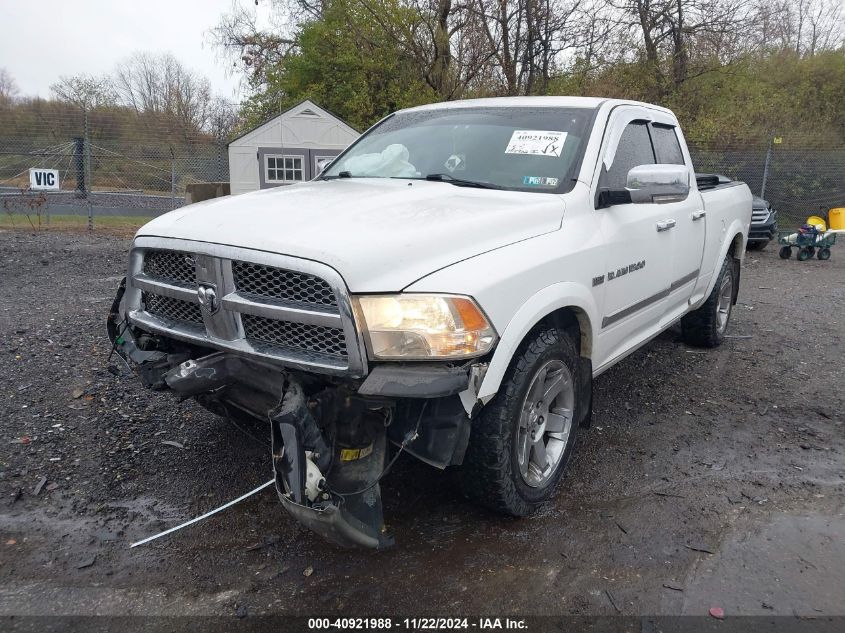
(449, 286)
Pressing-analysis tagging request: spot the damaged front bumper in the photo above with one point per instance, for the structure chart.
(329, 435)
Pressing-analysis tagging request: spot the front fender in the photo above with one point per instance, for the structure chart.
(540, 305)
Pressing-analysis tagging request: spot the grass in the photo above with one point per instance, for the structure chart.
(122, 226)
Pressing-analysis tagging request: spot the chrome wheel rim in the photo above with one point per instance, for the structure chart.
(723, 310)
(545, 423)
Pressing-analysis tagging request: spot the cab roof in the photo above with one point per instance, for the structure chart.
(535, 102)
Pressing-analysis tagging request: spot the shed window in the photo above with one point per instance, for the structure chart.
(283, 168)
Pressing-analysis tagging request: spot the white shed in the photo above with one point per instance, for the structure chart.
(292, 146)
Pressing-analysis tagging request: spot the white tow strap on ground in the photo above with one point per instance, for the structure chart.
(204, 516)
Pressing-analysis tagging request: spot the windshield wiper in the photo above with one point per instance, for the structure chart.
(342, 174)
(458, 182)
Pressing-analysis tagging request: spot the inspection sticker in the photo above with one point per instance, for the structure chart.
(539, 181)
(536, 143)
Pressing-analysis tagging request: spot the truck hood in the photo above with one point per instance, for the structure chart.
(380, 234)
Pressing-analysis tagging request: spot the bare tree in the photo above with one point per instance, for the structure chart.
(597, 37)
(441, 38)
(257, 50)
(805, 27)
(526, 39)
(161, 84)
(773, 19)
(670, 31)
(820, 24)
(8, 86)
(85, 91)
(222, 119)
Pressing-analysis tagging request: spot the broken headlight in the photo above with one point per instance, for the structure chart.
(423, 327)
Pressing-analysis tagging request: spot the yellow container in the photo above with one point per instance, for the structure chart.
(837, 218)
(817, 222)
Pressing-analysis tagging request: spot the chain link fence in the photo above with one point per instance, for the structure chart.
(115, 162)
(797, 181)
(111, 162)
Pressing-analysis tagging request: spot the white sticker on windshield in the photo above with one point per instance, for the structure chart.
(536, 143)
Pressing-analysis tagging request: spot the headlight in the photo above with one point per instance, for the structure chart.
(418, 327)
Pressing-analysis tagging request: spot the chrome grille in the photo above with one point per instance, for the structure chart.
(259, 280)
(171, 266)
(759, 215)
(294, 311)
(172, 309)
(309, 338)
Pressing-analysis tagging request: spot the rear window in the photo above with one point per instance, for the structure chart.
(666, 145)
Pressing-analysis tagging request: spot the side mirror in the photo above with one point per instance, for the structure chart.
(658, 183)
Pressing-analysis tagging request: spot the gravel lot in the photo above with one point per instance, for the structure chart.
(707, 479)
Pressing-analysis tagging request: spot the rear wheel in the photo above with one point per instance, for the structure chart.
(804, 254)
(522, 440)
(706, 326)
(785, 252)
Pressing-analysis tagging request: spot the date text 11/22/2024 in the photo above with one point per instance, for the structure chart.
(417, 624)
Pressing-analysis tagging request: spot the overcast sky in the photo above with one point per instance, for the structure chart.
(44, 39)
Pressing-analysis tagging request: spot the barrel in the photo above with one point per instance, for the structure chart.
(836, 218)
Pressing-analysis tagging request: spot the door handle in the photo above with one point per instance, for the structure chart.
(665, 225)
(697, 215)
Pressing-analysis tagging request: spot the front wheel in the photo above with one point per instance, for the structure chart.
(706, 326)
(522, 440)
(804, 254)
(823, 254)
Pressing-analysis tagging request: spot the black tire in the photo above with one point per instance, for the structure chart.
(757, 246)
(823, 254)
(804, 254)
(701, 328)
(785, 252)
(490, 473)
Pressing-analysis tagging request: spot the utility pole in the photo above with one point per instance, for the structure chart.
(87, 143)
(766, 166)
(79, 165)
(172, 179)
(220, 147)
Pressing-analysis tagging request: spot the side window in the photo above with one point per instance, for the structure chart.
(634, 149)
(321, 162)
(666, 145)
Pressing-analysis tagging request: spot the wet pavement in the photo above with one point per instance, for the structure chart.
(708, 479)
